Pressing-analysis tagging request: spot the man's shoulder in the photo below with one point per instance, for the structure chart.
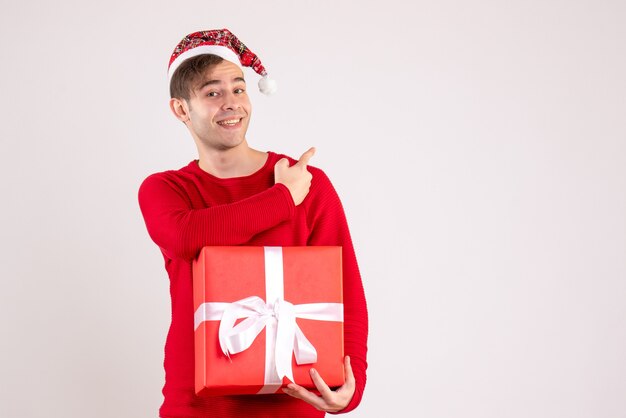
(181, 176)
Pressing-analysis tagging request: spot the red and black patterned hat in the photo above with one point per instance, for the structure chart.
(223, 43)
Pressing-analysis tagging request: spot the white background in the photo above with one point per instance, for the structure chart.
(479, 148)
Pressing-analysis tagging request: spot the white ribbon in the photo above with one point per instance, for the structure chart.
(277, 317)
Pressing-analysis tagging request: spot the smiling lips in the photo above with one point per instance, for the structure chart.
(229, 122)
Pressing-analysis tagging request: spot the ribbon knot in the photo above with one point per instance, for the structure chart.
(277, 307)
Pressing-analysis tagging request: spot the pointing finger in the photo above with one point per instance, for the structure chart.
(304, 159)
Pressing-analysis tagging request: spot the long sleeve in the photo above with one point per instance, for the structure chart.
(329, 226)
(180, 229)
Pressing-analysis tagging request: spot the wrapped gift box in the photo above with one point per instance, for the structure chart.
(265, 316)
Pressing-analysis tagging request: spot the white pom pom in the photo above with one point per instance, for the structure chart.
(267, 85)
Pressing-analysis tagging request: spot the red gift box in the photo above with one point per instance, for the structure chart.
(265, 316)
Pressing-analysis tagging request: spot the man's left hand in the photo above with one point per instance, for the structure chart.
(329, 401)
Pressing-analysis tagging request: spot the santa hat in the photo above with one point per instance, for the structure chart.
(223, 43)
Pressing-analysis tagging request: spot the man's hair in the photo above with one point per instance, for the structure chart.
(188, 73)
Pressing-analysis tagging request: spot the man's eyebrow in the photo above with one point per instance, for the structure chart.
(213, 82)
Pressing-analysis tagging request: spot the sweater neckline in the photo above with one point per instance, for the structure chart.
(271, 156)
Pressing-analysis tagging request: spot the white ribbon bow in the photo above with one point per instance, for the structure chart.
(279, 318)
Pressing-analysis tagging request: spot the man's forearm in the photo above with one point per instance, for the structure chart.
(181, 232)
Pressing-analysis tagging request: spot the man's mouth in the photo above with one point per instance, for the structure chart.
(229, 122)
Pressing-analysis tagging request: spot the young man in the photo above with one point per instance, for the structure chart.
(236, 195)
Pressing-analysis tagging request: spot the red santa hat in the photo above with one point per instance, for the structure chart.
(223, 43)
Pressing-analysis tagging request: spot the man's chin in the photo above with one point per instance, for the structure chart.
(228, 144)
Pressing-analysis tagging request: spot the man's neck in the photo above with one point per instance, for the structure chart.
(234, 162)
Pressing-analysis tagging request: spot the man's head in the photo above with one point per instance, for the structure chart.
(217, 109)
(208, 90)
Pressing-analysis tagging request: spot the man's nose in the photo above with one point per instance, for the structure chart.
(231, 102)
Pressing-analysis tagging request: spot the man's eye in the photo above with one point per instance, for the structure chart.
(212, 94)
(239, 91)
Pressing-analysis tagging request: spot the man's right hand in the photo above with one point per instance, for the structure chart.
(296, 178)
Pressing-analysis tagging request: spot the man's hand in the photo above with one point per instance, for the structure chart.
(296, 178)
(330, 401)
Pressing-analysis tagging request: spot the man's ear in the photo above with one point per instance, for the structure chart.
(180, 109)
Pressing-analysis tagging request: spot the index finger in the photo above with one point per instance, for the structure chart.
(304, 159)
(321, 386)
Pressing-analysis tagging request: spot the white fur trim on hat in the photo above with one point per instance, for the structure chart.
(218, 50)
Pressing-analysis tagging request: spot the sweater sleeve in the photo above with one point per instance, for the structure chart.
(181, 231)
(328, 225)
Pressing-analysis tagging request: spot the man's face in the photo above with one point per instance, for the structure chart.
(219, 107)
